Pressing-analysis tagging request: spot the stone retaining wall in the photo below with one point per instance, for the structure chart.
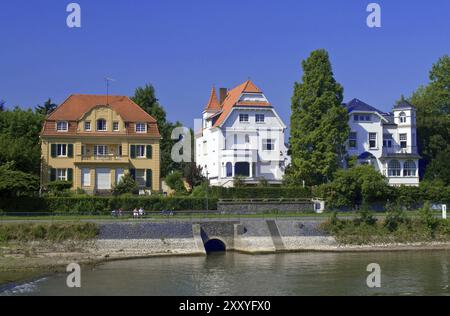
(122, 240)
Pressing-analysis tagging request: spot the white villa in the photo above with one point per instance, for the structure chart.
(242, 136)
(385, 140)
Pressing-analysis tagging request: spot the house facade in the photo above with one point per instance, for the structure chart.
(241, 136)
(94, 140)
(388, 141)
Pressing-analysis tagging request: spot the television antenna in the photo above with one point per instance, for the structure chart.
(108, 81)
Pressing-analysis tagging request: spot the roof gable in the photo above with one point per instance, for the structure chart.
(233, 98)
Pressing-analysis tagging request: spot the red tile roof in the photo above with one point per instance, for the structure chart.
(76, 106)
(233, 97)
(213, 103)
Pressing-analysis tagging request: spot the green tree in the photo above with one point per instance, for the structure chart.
(2, 105)
(360, 185)
(319, 123)
(19, 139)
(47, 108)
(146, 98)
(16, 183)
(432, 103)
(193, 174)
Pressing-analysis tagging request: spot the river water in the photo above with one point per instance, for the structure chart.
(402, 273)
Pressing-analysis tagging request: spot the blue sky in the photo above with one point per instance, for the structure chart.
(184, 47)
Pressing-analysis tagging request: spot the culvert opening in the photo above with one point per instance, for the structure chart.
(215, 245)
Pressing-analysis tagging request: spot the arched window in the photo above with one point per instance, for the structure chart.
(229, 168)
(403, 117)
(409, 169)
(395, 169)
(101, 125)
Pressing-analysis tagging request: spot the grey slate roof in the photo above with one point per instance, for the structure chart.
(360, 106)
(403, 105)
(357, 105)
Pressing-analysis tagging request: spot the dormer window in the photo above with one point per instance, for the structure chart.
(243, 118)
(62, 126)
(87, 126)
(141, 128)
(101, 125)
(362, 117)
(402, 118)
(115, 126)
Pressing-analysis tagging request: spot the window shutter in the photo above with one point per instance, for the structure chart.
(69, 174)
(133, 174)
(52, 174)
(133, 151)
(149, 179)
(53, 150)
(70, 150)
(149, 151)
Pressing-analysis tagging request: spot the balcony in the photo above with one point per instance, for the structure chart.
(109, 158)
(399, 151)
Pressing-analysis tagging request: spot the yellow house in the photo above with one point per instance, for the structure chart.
(94, 140)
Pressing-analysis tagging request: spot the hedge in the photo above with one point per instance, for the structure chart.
(261, 193)
(103, 205)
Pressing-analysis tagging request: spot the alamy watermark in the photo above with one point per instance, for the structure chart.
(73, 280)
(374, 18)
(74, 18)
(374, 279)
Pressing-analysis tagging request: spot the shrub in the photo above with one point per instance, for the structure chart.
(175, 182)
(58, 187)
(126, 185)
(395, 217)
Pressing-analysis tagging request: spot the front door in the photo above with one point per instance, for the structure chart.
(103, 179)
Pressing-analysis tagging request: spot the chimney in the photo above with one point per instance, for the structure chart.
(223, 94)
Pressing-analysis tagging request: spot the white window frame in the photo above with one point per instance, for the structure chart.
(138, 128)
(403, 118)
(260, 118)
(376, 140)
(61, 150)
(65, 129)
(83, 179)
(403, 138)
(268, 142)
(351, 139)
(395, 172)
(96, 151)
(116, 124)
(106, 125)
(144, 149)
(86, 123)
(244, 118)
(61, 174)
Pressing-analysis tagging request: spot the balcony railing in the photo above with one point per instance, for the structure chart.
(102, 158)
(398, 150)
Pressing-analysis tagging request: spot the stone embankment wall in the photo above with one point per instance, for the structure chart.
(125, 240)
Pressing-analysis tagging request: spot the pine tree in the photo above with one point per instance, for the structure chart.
(47, 108)
(319, 123)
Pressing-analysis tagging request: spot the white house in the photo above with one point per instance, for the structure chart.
(385, 140)
(242, 136)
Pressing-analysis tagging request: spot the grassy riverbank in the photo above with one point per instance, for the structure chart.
(397, 227)
(29, 250)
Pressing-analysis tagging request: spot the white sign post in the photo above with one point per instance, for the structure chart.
(444, 211)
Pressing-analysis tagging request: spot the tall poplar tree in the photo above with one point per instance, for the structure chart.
(319, 123)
